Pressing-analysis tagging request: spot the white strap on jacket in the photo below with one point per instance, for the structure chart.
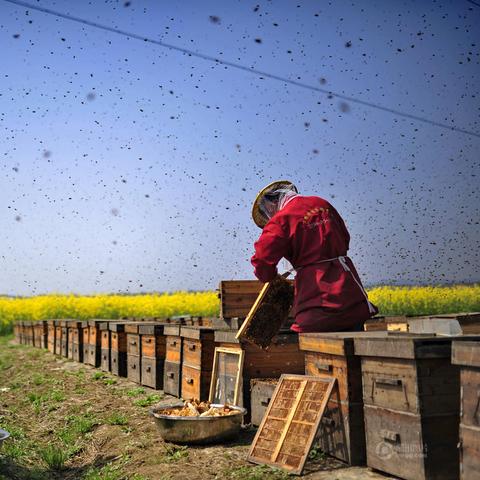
(344, 264)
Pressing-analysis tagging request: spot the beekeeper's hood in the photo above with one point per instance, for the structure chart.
(271, 199)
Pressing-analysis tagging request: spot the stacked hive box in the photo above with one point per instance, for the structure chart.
(65, 337)
(58, 337)
(341, 433)
(198, 346)
(261, 394)
(51, 336)
(118, 348)
(411, 406)
(16, 332)
(94, 343)
(40, 334)
(105, 344)
(153, 349)
(173, 360)
(74, 338)
(133, 352)
(283, 356)
(28, 327)
(467, 356)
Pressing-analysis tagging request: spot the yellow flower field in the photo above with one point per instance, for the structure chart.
(390, 300)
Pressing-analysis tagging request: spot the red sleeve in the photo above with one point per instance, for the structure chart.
(269, 249)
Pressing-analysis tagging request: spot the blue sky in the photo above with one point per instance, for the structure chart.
(126, 166)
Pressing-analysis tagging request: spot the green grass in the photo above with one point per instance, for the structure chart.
(257, 472)
(135, 392)
(174, 453)
(53, 456)
(148, 400)
(117, 419)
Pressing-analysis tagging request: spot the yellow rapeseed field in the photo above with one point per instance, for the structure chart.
(390, 300)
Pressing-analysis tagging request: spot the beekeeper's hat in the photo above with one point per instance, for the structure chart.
(258, 216)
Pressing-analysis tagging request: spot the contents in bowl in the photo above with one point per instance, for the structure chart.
(194, 408)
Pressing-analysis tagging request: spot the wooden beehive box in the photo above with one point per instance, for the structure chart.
(237, 297)
(118, 348)
(153, 350)
(134, 352)
(85, 341)
(58, 337)
(65, 324)
(411, 405)
(75, 341)
(74, 334)
(198, 347)
(94, 345)
(447, 324)
(16, 332)
(173, 360)
(105, 347)
(28, 332)
(261, 391)
(341, 433)
(283, 356)
(51, 335)
(466, 354)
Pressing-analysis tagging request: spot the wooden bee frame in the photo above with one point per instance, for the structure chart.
(236, 372)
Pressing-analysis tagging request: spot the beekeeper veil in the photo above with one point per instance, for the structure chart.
(272, 199)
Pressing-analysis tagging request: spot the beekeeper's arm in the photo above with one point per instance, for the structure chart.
(269, 249)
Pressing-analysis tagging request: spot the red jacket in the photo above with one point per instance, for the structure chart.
(305, 231)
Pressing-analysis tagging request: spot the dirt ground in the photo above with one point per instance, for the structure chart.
(71, 421)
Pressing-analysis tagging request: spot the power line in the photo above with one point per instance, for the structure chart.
(474, 3)
(238, 66)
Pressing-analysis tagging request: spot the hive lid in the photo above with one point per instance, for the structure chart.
(404, 345)
(151, 328)
(173, 330)
(466, 352)
(196, 333)
(335, 343)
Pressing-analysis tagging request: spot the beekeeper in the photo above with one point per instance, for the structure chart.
(311, 235)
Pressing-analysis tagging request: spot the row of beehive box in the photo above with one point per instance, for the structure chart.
(404, 403)
(173, 357)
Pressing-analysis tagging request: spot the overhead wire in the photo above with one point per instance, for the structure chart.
(260, 73)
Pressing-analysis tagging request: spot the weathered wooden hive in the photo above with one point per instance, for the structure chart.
(173, 360)
(411, 405)
(198, 346)
(118, 348)
(153, 349)
(466, 354)
(341, 433)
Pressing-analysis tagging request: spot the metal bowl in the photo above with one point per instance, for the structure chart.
(197, 430)
(3, 436)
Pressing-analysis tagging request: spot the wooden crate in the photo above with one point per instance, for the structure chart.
(74, 334)
(40, 334)
(261, 391)
(411, 405)
(466, 354)
(134, 352)
(153, 348)
(85, 341)
(447, 324)
(94, 343)
(64, 324)
(237, 297)
(118, 348)
(341, 433)
(283, 356)
(51, 335)
(58, 337)
(173, 360)
(198, 347)
(105, 347)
